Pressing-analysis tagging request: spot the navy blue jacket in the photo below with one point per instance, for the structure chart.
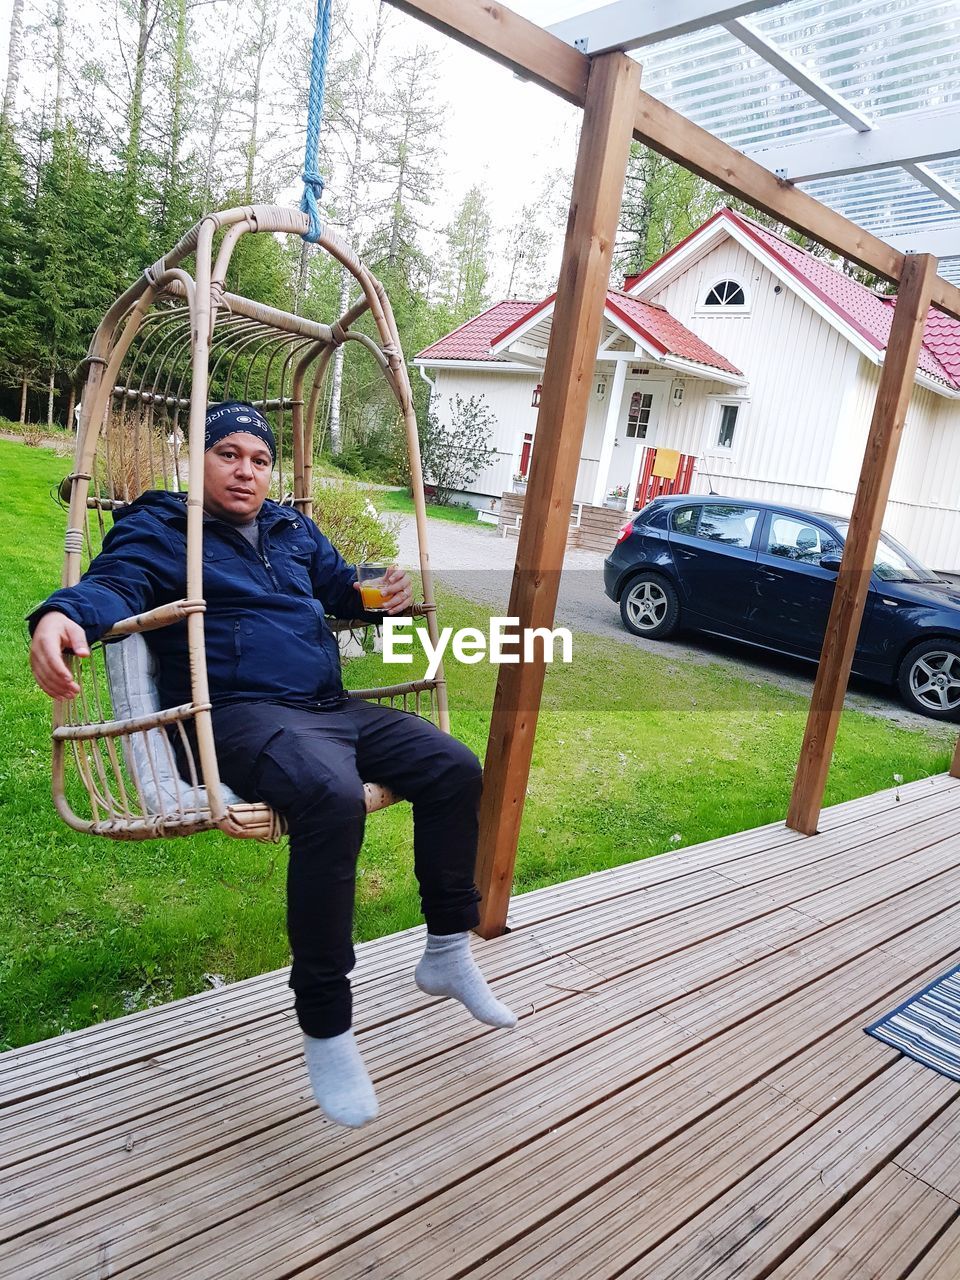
(264, 626)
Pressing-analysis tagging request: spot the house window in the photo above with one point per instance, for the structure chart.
(728, 425)
(638, 416)
(726, 293)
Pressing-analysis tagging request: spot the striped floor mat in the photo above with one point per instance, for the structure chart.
(927, 1026)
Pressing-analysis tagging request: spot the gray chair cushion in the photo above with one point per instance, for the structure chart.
(131, 677)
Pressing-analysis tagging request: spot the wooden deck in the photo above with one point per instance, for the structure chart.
(689, 1094)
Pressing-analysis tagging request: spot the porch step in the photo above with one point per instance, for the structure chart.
(591, 528)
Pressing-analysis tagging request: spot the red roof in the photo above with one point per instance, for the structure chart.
(472, 340)
(649, 320)
(865, 311)
(941, 335)
(655, 324)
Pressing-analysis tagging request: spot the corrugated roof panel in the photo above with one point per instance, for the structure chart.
(884, 57)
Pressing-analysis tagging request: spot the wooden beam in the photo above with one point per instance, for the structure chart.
(567, 383)
(853, 582)
(535, 54)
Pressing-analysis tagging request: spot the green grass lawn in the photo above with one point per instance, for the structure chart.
(634, 755)
(400, 500)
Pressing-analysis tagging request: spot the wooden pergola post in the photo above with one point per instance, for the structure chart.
(609, 111)
(843, 628)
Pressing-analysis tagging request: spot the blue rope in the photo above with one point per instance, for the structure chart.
(312, 179)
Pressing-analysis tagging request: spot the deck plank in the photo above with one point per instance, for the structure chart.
(939, 1262)
(880, 1231)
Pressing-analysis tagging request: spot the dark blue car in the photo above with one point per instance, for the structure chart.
(765, 574)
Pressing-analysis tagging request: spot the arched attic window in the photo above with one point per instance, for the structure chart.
(725, 293)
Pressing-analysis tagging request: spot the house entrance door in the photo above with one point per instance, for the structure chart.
(643, 402)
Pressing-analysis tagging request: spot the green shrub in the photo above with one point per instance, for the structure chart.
(350, 461)
(456, 451)
(349, 518)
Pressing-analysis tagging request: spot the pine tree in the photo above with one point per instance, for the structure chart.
(76, 250)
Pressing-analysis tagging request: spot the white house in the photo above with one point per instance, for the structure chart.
(752, 359)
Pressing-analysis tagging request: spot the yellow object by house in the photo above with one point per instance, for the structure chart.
(667, 463)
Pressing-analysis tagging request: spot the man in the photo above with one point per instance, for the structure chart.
(286, 733)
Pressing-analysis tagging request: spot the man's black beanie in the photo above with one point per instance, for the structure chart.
(233, 415)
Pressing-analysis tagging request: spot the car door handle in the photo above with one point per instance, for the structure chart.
(770, 575)
(687, 555)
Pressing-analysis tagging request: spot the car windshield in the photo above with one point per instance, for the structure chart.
(893, 562)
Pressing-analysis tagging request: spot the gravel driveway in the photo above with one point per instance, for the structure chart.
(477, 563)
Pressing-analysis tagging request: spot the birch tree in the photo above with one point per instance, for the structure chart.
(528, 243)
(14, 61)
(172, 200)
(147, 13)
(258, 46)
(60, 24)
(662, 203)
(352, 120)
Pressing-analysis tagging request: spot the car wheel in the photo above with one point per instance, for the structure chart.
(929, 679)
(649, 607)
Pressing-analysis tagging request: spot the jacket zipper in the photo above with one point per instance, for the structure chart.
(267, 565)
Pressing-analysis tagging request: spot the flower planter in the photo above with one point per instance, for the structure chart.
(519, 486)
(616, 504)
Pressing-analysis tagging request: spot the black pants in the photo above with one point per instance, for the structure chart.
(310, 765)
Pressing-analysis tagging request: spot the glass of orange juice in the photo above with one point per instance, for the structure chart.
(371, 578)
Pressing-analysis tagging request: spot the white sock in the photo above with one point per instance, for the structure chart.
(340, 1083)
(448, 969)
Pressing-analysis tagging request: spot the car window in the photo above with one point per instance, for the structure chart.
(893, 562)
(729, 524)
(685, 519)
(655, 517)
(795, 539)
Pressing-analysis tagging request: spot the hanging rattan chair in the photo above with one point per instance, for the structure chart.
(167, 346)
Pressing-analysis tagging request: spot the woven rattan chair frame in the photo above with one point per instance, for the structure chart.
(170, 344)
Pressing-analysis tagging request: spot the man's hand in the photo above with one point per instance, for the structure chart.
(55, 635)
(396, 589)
